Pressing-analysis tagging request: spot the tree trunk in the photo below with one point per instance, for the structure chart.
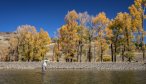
(81, 53)
(101, 53)
(94, 54)
(57, 59)
(89, 54)
(123, 50)
(129, 59)
(53, 53)
(112, 54)
(143, 48)
(143, 44)
(89, 51)
(78, 51)
(17, 57)
(115, 56)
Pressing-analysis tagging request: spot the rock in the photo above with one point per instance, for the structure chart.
(74, 65)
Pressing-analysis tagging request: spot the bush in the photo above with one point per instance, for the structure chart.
(106, 58)
(97, 59)
(129, 55)
(74, 59)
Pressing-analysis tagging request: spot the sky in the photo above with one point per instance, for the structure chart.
(49, 14)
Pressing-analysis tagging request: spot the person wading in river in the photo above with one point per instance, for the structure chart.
(44, 65)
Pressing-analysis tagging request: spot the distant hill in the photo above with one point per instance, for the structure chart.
(5, 37)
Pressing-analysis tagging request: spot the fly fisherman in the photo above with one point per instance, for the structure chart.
(44, 65)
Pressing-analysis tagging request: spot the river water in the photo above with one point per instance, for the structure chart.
(72, 77)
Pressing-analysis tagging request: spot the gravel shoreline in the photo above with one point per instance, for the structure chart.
(74, 65)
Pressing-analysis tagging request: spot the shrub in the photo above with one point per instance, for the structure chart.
(129, 55)
(106, 58)
(97, 59)
(74, 59)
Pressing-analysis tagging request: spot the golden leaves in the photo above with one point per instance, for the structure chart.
(125, 20)
(32, 45)
(100, 23)
(68, 33)
(71, 17)
(109, 33)
(138, 3)
(44, 37)
(100, 18)
(136, 10)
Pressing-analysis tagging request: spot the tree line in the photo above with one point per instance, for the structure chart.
(27, 45)
(93, 38)
(122, 35)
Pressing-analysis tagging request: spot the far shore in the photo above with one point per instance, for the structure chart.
(75, 65)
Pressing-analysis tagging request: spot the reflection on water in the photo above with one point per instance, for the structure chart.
(71, 77)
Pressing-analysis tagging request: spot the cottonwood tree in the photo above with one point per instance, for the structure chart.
(13, 53)
(137, 11)
(90, 37)
(68, 36)
(4, 54)
(82, 33)
(43, 40)
(120, 33)
(56, 48)
(109, 38)
(29, 44)
(26, 35)
(127, 29)
(100, 23)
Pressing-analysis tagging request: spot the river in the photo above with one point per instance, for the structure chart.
(59, 76)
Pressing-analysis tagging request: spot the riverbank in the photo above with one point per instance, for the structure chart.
(64, 65)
